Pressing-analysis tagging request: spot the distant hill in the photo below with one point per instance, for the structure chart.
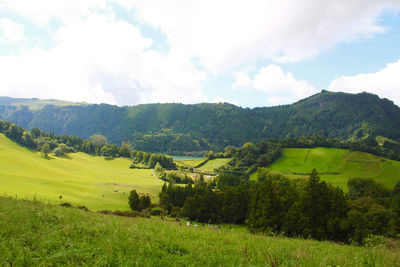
(336, 166)
(176, 128)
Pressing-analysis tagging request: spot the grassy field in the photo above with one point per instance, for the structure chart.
(36, 104)
(189, 163)
(337, 165)
(212, 164)
(79, 178)
(36, 234)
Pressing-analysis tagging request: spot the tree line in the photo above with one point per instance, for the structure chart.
(96, 145)
(275, 204)
(248, 158)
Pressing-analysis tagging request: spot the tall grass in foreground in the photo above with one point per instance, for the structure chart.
(33, 233)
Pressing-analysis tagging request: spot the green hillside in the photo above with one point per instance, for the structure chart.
(36, 234)
(80, 178)
(337, 165)
(176, 128)
(213, 164)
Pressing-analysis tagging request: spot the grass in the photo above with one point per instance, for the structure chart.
(79, 178)
(186, 158)
(213, 164)
(337, 165)
(37, 234)
(37, 104)
(189, 163)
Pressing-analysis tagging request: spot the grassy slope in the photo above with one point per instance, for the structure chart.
(212, 164)
(189, 163)
(35, 104)
(79, 178)
(35, 234)
(337, 165)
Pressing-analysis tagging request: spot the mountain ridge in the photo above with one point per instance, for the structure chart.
(178, 128)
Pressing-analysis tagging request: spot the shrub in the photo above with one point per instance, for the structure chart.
(374, 241)
(157, 211)
(175, 211)
(134, 201)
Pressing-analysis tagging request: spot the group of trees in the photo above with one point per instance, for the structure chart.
(307, 208)
(246, 159)
(96, 145)
(201, 203)
(151, 160)
(138, 203)
(173, 177)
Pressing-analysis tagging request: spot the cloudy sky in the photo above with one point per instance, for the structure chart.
(250, 53)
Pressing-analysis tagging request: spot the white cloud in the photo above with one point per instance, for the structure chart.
(101, 60)
(43, 11)
(97, 58)
(385, 83)
(242, 80)
(11, 32)
(279, 87)
(224, 34)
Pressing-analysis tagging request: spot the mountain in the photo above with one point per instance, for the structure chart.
(176, 128)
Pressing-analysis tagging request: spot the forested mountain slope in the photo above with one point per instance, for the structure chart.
(179, 128)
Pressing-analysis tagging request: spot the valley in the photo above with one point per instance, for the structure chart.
(281, 191)
(79, 178)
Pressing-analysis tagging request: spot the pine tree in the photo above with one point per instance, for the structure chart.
(134, 201)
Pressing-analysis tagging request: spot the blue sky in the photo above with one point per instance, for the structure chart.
(249, 53)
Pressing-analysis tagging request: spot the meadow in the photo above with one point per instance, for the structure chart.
(213, 164)
(78, 178)
(190, 163)
(336, 166)
(38, 234)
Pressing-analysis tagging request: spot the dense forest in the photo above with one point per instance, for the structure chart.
(179, 128)
(274, 204)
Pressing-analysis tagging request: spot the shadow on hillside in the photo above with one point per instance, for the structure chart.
(48, 157)
(65, 156)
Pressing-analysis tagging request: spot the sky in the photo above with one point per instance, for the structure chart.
(249, 53)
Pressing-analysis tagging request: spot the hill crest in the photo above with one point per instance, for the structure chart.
(178, 128)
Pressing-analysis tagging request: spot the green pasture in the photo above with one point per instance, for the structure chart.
(37, 104)
(213, 164)
(37, 234)
(79, 178)
(337, 165)
(189, 163)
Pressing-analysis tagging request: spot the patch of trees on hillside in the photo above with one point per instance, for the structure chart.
(96, 145)
(275, 204)
(249, 157)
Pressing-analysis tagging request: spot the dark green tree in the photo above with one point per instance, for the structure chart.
(133, 200)
(144, 202)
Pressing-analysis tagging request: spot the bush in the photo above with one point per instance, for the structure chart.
(157, 211)
(374, 241)
(175, 211)
(58, 152)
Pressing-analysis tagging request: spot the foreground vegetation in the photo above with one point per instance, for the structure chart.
(78, 178)
(35, 234)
